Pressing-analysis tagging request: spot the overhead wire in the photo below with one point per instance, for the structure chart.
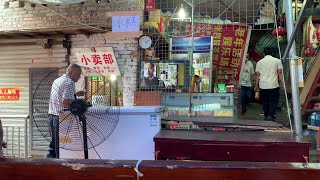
(280, 56)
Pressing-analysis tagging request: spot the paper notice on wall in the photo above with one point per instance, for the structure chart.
(125, 23)
(153, 120)
(300, 73)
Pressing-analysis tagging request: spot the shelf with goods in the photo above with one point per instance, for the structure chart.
(203, 105)
(225, 77)
(204, 74)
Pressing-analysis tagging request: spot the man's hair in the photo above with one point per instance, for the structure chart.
(74, 67)
(267, 51)
(151, 66)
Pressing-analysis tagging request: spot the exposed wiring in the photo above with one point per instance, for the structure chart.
(280, 56)
(77, 22)
(136, 169)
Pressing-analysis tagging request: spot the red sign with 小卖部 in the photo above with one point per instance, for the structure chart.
(9, 94)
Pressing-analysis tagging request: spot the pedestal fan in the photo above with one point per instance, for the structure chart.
(81, 127)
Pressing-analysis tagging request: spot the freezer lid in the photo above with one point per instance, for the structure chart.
(128, 109)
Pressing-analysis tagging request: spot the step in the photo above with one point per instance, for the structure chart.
(308, 111)
(315, 98)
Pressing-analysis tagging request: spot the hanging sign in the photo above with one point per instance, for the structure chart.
(150, 5)
(103, 62)
(9, 94)
(185, 44)
(300, 73)
(125, 23)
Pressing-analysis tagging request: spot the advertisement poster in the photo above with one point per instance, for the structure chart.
(184, 44)
(159, 75)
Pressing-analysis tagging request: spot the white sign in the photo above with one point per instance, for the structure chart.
(300, 73)
(125, 23)
(103, 62)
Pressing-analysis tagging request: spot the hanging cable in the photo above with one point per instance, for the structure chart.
(280, 56)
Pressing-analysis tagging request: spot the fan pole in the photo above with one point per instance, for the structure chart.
(85, 137)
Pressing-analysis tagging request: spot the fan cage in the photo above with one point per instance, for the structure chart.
(101, 118)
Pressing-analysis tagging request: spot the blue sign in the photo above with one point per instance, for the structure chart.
(184, 44)
(125, 23)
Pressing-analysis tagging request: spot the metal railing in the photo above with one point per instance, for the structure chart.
(15, 135)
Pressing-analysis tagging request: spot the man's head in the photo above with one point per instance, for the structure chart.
(74, 72)
(197, 79)
(267, 51)
(150, 70)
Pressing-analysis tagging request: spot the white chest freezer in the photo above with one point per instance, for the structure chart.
(132, 139)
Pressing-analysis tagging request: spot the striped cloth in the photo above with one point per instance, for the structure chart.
(62, 88)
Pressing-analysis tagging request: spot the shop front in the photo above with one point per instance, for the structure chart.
(198, 76)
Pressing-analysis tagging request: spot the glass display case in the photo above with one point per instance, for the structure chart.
(202, 104)
(201, 55)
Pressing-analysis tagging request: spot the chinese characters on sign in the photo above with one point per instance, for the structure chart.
(9, 94)
(102, 62)
(229, 42)
(125, 23)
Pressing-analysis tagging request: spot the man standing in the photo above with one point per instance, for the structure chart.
(247, 76)
(62, 94)
(268, 75)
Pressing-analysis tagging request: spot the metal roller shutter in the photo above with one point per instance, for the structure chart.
(22, 60)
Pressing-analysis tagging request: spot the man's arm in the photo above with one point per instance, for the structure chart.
(281, 78)
(66, 103)
(256, 87)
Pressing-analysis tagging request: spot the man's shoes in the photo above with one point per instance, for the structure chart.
(49, 156)
(274, 117)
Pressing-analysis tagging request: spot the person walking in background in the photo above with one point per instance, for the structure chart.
(268, 76)
(62, 94)
(247, 76)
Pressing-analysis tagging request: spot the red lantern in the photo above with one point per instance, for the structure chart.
(281, 31)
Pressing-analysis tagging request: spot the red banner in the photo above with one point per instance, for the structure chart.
(9, 94)
(229, 42)
(150, 5)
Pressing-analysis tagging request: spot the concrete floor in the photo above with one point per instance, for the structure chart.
(253, 113)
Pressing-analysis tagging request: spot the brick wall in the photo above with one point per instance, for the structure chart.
(125, 50)
(23, 15)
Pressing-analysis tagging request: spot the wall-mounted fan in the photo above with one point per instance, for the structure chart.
(81, 127)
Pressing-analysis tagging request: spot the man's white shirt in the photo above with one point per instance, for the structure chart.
(268, 68)
(246, 73)
(62, 88)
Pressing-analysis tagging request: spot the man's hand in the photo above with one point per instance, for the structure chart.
(282, 86)
(80, 93)
(256, 88)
